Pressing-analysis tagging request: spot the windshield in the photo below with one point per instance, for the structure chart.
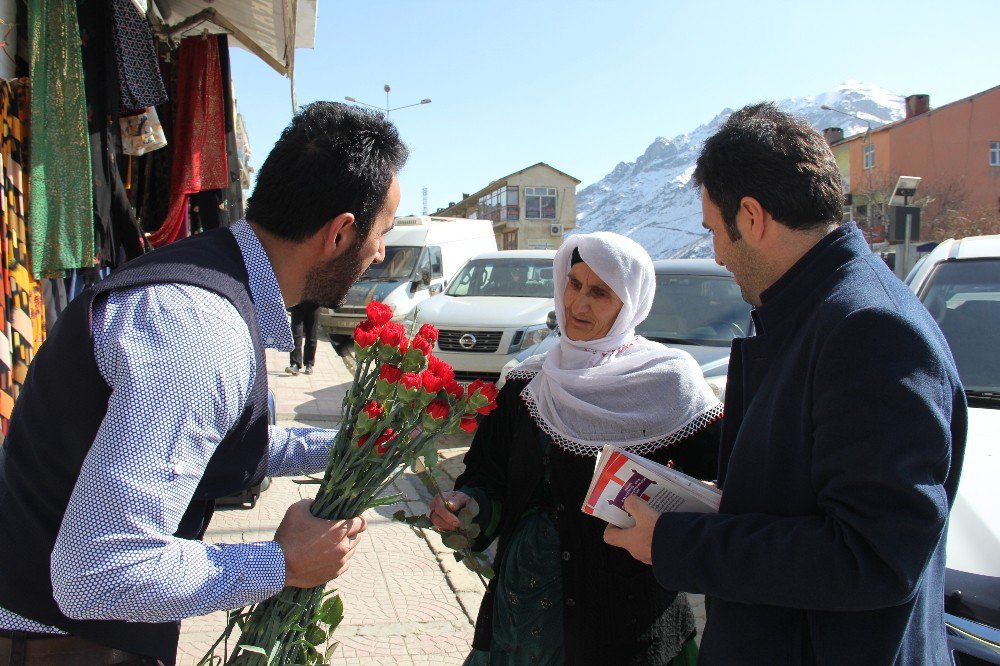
(397, 265)
(696, 309)
(529, 278)
(964, 298)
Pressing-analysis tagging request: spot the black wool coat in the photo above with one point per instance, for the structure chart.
(614, 610)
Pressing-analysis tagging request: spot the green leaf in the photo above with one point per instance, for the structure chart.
(487, 572)
(315, 635)
(308, 481)
(473, 531)
(472, 564)
(459, 555)
(253, 648)
(399, 515)
(456, 541)
(329, 652)
(386, 500)
(466, 517)
(332, 612)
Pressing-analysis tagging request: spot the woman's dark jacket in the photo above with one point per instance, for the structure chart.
(614, 610)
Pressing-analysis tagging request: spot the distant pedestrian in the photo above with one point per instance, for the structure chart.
(305, 330)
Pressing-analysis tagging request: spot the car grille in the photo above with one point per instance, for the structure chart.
(487, 342)
(466, 378)
(351, 310)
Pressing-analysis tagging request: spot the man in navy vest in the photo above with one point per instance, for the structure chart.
(844, 429)
(149, 401)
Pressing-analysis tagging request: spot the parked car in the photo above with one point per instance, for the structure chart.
(959, 283)
(422, 255)
(497, 305)
(697, 308)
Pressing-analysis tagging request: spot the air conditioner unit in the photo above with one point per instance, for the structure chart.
(556, 229)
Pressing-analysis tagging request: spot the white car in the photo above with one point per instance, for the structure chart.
(498, 304)
(959, 283)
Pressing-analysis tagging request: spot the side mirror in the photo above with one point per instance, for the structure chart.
(551, 322)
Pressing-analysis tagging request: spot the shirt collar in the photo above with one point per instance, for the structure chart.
(275, 331)
(792, 290)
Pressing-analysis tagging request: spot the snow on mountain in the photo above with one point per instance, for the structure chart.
(652, 200)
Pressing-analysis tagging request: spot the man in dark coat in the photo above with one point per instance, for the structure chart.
(844, 428)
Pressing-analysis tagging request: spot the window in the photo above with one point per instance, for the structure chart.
(540, 203)
(869, 155)
(995, 153)
(436, 270)
(499, 205)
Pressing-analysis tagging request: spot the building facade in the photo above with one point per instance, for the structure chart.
(954, 149)
(531, 209)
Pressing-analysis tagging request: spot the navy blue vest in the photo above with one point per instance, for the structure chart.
(55, 420)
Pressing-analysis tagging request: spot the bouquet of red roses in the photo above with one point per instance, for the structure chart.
(401, 400)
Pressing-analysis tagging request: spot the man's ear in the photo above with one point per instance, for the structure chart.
(753, 217)
(337, 235)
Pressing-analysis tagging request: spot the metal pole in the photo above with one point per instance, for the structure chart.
(906, 237)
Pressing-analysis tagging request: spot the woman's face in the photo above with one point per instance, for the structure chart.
(590, 307)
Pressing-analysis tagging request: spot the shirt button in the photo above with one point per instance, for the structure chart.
(269, 341)
(570, 602)
(560, 507)
(565, 554)
(545, 460)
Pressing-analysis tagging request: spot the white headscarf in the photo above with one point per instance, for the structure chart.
(621, 389)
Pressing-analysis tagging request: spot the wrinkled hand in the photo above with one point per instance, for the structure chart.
(638, 540)
(316, 550)
(444, 507)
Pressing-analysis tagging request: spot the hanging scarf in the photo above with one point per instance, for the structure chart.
(621, 389)
(60, 198)
(199, 157)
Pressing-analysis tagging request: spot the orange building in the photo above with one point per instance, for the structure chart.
(955, 149)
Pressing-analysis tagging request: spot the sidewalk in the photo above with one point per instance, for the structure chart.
(406, 599)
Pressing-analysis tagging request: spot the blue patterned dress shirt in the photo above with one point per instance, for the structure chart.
(180, 363)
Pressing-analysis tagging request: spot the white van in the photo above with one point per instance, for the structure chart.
(497, 305)
(422, 254)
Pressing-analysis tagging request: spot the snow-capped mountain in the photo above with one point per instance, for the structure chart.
(652, 200)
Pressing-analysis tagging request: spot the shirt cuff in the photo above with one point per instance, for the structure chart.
(265, 569)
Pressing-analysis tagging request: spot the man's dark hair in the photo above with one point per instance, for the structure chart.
(777, 159)
(331, 159)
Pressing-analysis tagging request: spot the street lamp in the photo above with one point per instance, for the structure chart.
(906, 187)
(387, 109)
(868, 132)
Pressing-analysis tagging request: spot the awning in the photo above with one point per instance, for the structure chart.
(266, 28)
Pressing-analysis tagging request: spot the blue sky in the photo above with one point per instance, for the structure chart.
(586, 84)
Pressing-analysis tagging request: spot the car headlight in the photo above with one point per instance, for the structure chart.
(532, 336)
(718, 384)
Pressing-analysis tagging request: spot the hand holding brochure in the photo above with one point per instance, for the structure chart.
(619, 474)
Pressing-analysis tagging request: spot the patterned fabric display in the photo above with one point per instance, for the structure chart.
(23, 309)
(60, 198)
(138, 70)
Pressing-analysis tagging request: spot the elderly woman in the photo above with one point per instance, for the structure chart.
(561, 595)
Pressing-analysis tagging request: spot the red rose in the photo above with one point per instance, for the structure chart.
(431, 382)
(373, 410)
(378, 312)
(410, 380)
(393, 334)
(468, 423)
(428, 333)
(440, 368)
(366, 333)
(423, 345)
(383, 442)
(438, 409)
(362, 440)
(390, 373)
(454, 389)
